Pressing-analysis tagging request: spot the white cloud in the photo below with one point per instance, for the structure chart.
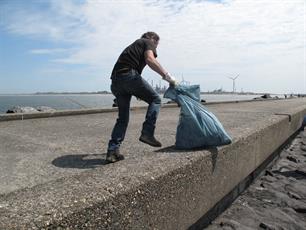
(262, 40)
(47, 51)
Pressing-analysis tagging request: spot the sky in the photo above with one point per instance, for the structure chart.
(72, 45)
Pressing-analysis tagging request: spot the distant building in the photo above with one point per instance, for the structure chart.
(160, 89)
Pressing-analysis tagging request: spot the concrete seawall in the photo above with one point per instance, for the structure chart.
(53, 173)
(59, 113)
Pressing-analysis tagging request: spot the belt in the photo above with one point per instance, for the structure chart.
(124, 72)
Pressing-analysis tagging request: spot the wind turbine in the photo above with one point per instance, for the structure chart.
(234, 78)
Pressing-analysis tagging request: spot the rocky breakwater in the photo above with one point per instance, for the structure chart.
(27, 109)
(277, 200)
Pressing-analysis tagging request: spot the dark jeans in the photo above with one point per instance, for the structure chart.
(124, 87)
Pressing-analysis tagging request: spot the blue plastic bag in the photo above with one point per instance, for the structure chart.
(197, 126)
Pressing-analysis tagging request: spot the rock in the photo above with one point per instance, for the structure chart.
(20, 109)
(293, 159)
(45, 109)
(266, 226)
(267, 179)
(266, 96)
(229, 224)
(269, 173)
(294, 195)
(300, 208)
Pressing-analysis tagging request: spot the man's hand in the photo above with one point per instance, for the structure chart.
(170, 79)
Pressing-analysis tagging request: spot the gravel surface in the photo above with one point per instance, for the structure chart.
(277, 199)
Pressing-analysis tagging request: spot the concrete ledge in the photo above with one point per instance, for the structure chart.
(171, 191)
(70, 112)
(23, 116)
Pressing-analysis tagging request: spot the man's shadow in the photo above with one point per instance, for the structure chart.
(212, 149)
(90, 161)
(81, 161)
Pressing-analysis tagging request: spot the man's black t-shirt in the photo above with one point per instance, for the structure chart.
(133, 57)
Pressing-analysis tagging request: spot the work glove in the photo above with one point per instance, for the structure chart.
(170, 79)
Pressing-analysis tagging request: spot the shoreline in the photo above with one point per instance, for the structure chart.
(109, 93)
(76, 101)
(105, 109)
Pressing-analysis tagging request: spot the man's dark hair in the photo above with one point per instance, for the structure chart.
(151, 35)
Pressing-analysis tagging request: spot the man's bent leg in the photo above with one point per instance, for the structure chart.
(145, 92)
(148, 126)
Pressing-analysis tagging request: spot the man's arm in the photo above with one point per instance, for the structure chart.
(154, 64)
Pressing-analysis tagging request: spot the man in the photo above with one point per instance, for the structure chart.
(127, 82)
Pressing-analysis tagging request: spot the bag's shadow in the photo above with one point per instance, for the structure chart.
(80, 161)
(213, 150)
